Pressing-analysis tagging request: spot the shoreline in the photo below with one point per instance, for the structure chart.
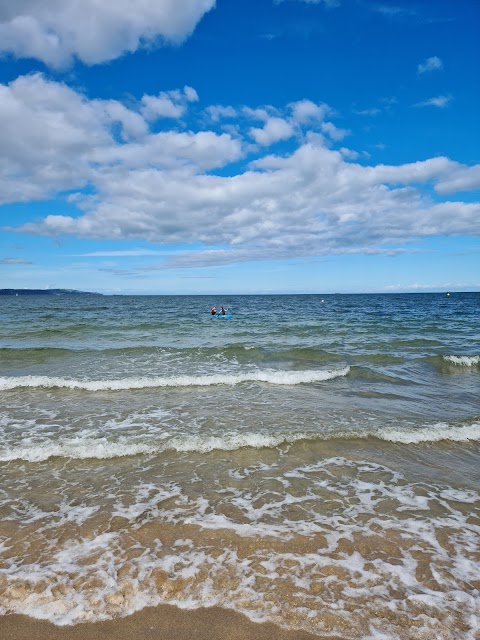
(164, 622)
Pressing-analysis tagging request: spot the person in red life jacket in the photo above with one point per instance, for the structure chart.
(214, 311)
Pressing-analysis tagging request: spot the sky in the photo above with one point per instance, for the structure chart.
(240, 146)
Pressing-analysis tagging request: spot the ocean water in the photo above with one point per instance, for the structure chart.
(313, 461)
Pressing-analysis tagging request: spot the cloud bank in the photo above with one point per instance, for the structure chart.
(247, 192)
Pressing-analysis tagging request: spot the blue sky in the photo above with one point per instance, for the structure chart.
(240, 146)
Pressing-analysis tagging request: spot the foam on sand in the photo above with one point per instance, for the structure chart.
(348, 547)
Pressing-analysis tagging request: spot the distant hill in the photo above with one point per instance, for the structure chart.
(43, 292)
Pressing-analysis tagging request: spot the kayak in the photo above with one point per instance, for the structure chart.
(227, 315)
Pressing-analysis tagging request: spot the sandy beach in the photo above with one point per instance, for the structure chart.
(159, 623)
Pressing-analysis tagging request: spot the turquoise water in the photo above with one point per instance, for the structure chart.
(313, 460)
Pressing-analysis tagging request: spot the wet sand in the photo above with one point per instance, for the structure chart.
(155, 623)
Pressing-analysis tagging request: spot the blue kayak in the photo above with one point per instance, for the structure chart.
(219, 315)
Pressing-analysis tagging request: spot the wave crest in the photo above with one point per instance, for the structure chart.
(100, 448)
(270, 376)
(463, 361)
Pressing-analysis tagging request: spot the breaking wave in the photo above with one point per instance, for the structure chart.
(82, 448)
(463, 361)
(269, 376)
(88, 448)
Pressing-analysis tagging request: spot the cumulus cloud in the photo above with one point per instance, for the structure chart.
(54, 139)
(283, 124)
(219, 112)
(334, 132)
(311, 202)
(132, 124)
(168, 104)
(306, 111)
(351, 154)
(262, 114)
(166, 187)
(275, 129)
(171, 149)
(430, 64)
(94, 31)
(439, 101)
(47, 132)
(460, 179)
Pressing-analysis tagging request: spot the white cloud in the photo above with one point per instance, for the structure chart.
(190, 94)
(460, 179)
(439, 101)
(171, 149)
(334, 132)
(95, 31)
(133, 124)
(219, 112)
(258, 114)
(168, 104)
(275, 129)
(53, 138)
(302, 114)
(351, 154)
(309, 203)
(46, 135)
(430, 64)
(306, 111)
(162, 187)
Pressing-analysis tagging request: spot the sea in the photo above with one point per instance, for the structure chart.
(312, 461)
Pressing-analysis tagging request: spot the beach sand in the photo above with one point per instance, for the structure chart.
(155, 623)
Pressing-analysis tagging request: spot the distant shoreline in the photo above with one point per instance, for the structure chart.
(43, 292)
(62, 292)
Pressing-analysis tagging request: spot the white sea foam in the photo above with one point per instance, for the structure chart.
(463, 361)
(100, 448)
(270, 376)
(89, 447)
(435, 433)
(359, 537)
(77, 448)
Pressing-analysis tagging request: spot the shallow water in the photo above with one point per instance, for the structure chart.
(313, 461)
